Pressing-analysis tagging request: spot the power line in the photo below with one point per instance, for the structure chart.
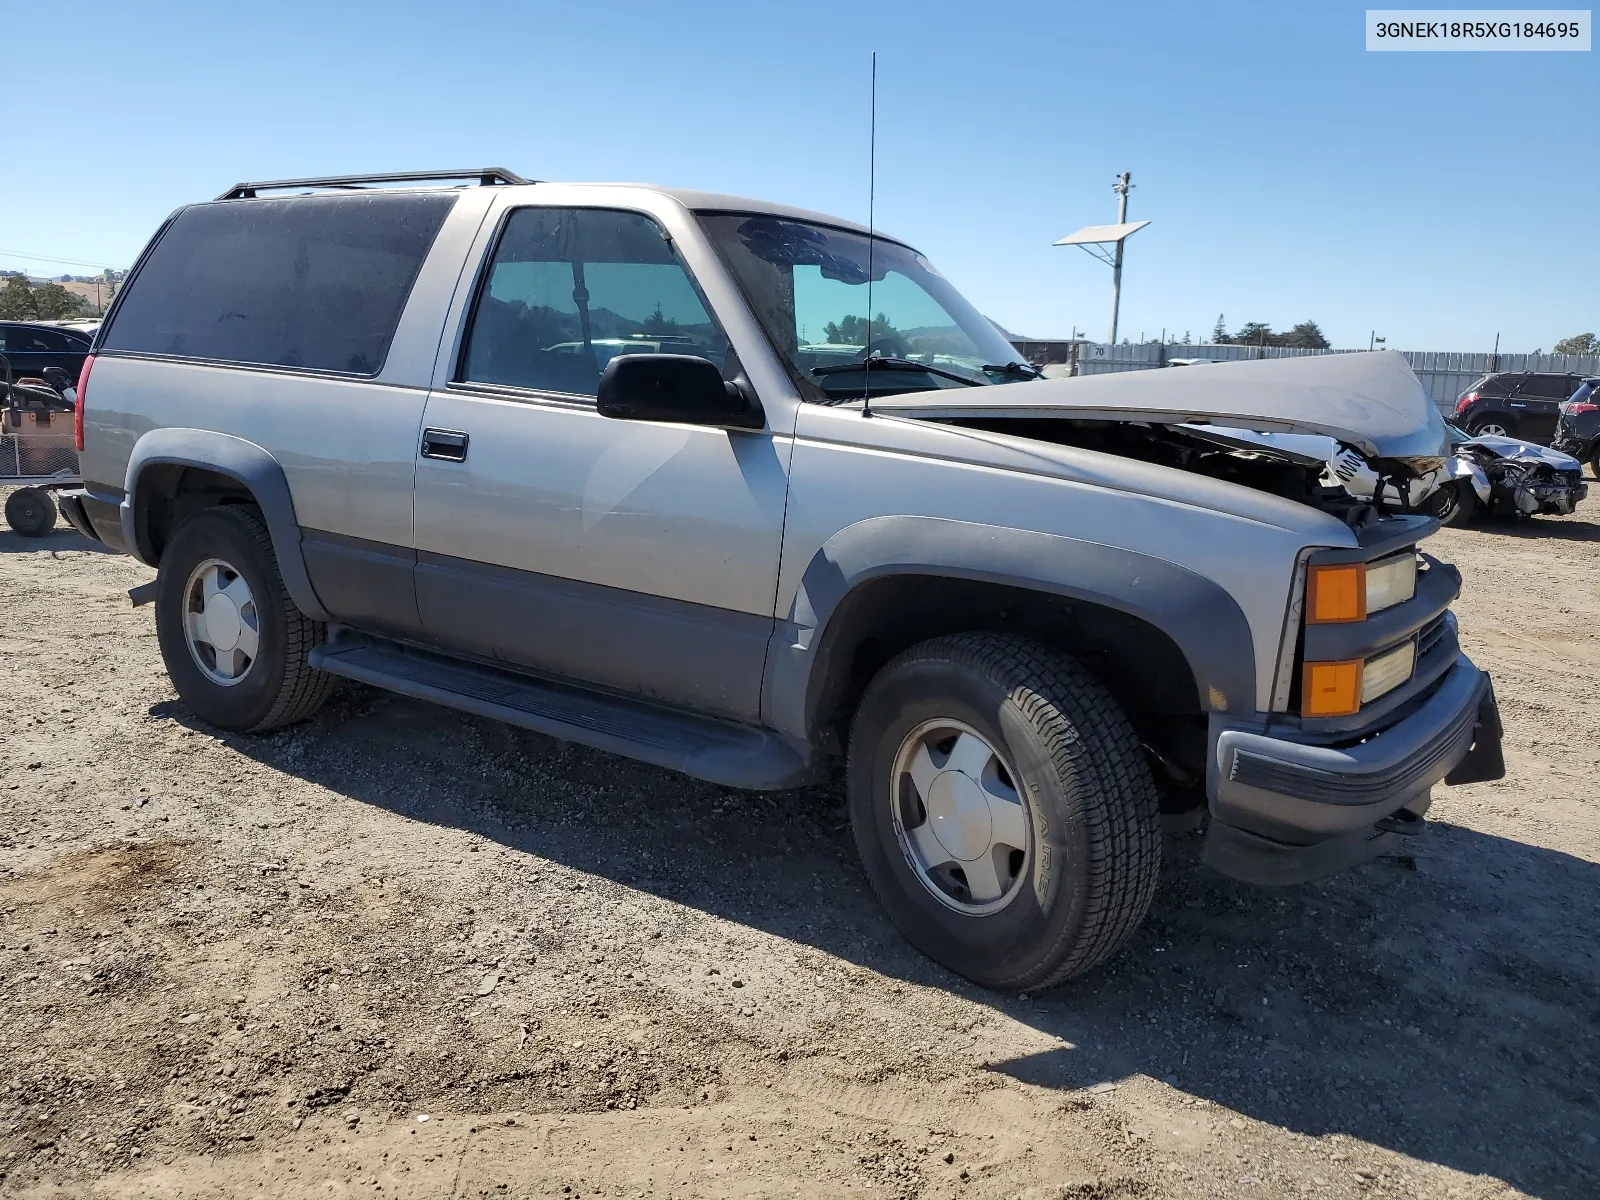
(69, 262)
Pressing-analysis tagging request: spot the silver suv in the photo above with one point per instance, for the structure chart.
(739, 490)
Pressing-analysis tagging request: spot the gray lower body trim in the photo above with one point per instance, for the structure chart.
(365, 583)
(690, 656)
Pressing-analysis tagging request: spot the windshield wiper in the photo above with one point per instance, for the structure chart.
(895, 364)
(1026, 370)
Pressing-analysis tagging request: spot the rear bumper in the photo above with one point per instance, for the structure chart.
(95, 515)
(1284, 812)
(71, 505)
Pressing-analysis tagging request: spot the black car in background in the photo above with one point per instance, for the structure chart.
(32, 348)
(1519, 404)
(1578, 431)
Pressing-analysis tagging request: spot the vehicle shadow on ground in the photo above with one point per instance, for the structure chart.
(1542, 528)
(62, 537)
(1444, 1006)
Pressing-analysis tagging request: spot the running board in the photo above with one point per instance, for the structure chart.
(722, 752)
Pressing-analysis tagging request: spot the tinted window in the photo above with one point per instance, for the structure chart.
(570, 289)
(21, 338)
(1548, 387)
(309, 281)
(1501, 385)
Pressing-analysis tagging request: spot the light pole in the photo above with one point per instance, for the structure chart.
(1121, 187)
(1093, 238)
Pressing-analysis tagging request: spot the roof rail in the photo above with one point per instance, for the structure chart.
(486, 177)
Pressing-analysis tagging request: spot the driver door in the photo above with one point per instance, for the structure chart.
(635, 556)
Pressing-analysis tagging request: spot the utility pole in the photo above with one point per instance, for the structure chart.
(1121, 187)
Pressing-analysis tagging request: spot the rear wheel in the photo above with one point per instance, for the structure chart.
(235, 645)
(31, 512)
(1491, 427)
(1003, 810)
(1594, 460)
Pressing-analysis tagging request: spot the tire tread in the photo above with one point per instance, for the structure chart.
(1090, 740)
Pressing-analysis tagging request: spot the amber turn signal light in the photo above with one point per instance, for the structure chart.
(1331, 689)
(1336, 594)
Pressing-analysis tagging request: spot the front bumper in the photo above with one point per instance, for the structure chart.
(1284, 811)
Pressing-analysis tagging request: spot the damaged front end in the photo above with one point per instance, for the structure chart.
(1515, 478)
(1353, 435)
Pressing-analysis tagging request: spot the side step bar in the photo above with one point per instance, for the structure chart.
(717, 751)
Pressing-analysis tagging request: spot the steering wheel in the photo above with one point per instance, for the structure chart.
(887, 345)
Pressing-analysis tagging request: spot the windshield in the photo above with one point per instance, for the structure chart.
(808, 285)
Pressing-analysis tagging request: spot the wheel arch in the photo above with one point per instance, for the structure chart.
(173, 473)
(888, 582)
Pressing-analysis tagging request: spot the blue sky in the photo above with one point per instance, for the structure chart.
(1436, 198)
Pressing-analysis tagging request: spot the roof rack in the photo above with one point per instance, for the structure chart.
(486, 177)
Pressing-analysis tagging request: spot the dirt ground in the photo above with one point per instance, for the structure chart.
(398, 952)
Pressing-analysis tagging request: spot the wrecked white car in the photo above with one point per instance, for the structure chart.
(630, 467)
(1505, 477)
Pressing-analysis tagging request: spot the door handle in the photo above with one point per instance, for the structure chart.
(447, 444)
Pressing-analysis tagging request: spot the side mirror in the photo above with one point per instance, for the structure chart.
(57, 378)
(673, 387)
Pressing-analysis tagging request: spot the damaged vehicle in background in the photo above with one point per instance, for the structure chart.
(1505, 477)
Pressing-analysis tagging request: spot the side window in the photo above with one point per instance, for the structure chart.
(568, 290)
(21, 339)
(56, 343)
(1547, 387)
(314, 282)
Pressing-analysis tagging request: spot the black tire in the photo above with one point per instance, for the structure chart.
(1594, 460)
(1094, 808)
(279, 686)
(31, 512)
(1455, 504)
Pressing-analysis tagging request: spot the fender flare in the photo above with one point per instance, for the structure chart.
(1200, 617)
(253, 468)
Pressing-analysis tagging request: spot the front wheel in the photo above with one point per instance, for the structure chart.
(1455, 504)
(1003, 809)
(236, 647)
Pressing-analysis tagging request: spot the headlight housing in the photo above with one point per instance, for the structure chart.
(1345, 592)
(1391, 581)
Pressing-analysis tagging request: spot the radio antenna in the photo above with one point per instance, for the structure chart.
(872, 195)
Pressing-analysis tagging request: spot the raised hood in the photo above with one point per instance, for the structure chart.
(1370, 401)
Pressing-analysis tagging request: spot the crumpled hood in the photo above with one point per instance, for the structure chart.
(1514, 450)
(1371, 401)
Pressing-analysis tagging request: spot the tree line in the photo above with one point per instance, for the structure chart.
(23, 300)
(1305, 336)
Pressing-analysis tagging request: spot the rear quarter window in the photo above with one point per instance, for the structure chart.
(311, 282)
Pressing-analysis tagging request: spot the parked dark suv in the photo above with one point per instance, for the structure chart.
(1578, 433)
(32, 348)
(1521, 404)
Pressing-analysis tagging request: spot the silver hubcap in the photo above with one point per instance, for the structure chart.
(220, 622)
(1491, 430)
(962, 823)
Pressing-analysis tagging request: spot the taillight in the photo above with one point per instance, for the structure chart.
(1461, 404)
(1574, 407)
(77, 411)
